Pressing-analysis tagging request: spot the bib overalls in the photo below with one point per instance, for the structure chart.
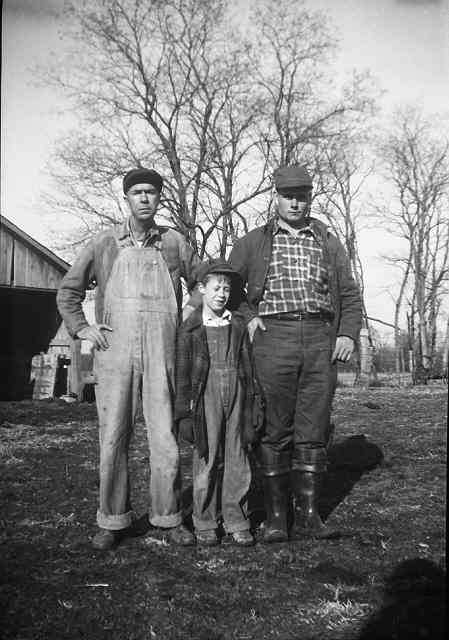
(141, 308)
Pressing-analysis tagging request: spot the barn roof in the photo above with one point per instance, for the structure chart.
(51, 257)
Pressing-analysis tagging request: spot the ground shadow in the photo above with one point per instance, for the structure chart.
(348, 461)
(139, 527)
(414, 604)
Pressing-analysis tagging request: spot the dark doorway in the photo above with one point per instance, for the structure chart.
(28, 321)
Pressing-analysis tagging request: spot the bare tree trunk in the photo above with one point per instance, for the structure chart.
(446, 352)
(397, 312)
(411, 361)
(422, 368)
(366, 373)
(401, 359)
(411, 343)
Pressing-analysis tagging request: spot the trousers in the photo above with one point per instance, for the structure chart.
(293, 364)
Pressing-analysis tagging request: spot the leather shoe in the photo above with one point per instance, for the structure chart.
(242, 538)
(207, 538)
(105, 540)
(274, 534)
(181, 536)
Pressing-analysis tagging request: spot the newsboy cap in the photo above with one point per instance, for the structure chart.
(292, 177)
(216, 266)
(142, 176)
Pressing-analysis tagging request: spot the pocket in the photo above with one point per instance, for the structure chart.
(318, 336)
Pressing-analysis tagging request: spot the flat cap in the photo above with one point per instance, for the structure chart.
(217, 265)
(142, 176)
(291, 177)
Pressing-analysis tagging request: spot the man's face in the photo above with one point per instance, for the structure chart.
(143, 200)
(293, 205)
(216, 292)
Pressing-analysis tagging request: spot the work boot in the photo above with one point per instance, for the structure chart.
(181, 536)
(242, 538)
(207, 538)
(276, 503)
(105, 540)
(308, 523)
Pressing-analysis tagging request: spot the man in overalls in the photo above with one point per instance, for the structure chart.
(137, 269)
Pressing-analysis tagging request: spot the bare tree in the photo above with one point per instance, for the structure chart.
(302, 109)
(158, 83)
(404, 265)
(416, 157)
(177, 86)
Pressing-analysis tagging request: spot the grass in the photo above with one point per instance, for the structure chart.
(383, 578)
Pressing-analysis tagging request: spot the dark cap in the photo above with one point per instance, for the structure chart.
(216, 266)
(292, 177)
(142, 176)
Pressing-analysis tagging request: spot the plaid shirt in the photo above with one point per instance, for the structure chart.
(297, 279)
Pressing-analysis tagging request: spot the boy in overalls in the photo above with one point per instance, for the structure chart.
(218, 406)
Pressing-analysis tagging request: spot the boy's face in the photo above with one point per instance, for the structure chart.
(216, 292)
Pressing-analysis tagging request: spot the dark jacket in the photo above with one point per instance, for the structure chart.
(94, 265)
(251, 256)
(192, 368)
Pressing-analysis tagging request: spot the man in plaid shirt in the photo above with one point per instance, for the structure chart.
(304, 314)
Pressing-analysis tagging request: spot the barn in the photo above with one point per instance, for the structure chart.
(30, 275)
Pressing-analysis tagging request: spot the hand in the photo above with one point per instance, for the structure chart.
(94, 334)
(253, 325)
(344, 348)
(258, 417)
(186, 429)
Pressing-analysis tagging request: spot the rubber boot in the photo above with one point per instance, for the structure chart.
(276, 503)
(307, 488)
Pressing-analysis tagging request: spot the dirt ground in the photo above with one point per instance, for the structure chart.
(383, 578)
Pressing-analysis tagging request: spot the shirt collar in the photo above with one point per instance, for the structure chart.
(308, 228)
(224, 319)
(153, 233)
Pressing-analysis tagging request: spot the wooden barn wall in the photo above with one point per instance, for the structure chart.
(22, 266)
(6, 256)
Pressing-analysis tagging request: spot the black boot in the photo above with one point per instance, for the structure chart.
(307, 488)
(276, 490)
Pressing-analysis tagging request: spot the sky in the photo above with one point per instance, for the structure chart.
(405, 44)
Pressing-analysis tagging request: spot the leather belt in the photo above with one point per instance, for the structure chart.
(299, 315)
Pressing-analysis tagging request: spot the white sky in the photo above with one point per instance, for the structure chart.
(405, 43)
